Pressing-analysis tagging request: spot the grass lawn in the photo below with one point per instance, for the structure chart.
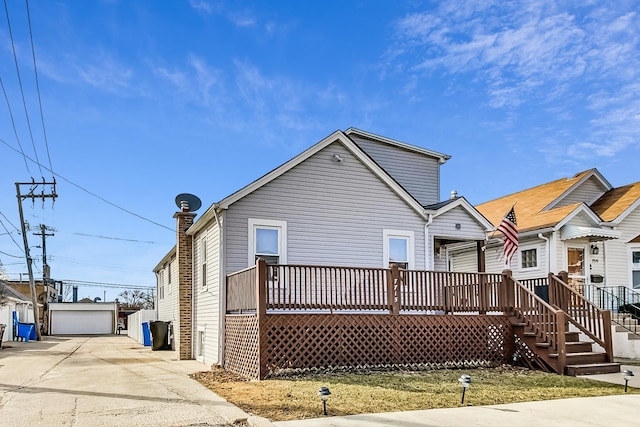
(294, 398)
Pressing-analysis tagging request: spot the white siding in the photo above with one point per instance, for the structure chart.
(207, 299)
(617, 251)
(587, 192)
(168, 306)
(335, 214)
(417, 173)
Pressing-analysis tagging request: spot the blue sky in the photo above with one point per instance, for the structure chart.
(143, 100)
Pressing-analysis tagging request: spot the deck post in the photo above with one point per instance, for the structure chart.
(507, 292)
(261, 287)
(261, 311)
(393, 289)
(561, 343)
(608, 339)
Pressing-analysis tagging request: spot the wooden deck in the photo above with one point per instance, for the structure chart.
(282, 317)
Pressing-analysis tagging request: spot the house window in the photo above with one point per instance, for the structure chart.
(267, 240)
(529, 258)
(203, 262)
(200, 344)
(635, 268)
(398, 248)
(161, 284)
(169, 278)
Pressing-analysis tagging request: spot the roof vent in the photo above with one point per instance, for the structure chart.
(454, 194)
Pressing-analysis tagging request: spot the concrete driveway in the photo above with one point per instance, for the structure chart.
(105, 381)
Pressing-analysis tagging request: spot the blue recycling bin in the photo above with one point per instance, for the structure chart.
(146, 334)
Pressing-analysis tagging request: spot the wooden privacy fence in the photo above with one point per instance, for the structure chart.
(277, 288)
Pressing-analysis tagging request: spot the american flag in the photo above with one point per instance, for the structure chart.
(510, 230)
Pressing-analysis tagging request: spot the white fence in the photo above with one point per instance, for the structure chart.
(135, 321)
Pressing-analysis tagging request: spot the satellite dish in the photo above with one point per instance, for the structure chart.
(188, 202)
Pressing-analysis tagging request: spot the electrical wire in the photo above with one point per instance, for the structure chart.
(24, 102)
(105, 284)
(35, 70)
(15, 131)
(9, 233)
(89, 192)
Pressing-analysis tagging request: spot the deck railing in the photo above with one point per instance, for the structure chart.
(306, 287)
(241, 291)
(348, 289)
(582, 313)
(451, 292)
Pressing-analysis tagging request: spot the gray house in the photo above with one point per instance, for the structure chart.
(352, 199)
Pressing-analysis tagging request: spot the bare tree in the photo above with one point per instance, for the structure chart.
(136, 299)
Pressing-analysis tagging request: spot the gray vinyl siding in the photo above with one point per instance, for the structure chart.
(617, 251)
(207, 298)
(417, 173)
(335, 214)
(445, 226)
(587, 192)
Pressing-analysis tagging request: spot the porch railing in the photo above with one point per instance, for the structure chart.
(335, 289)
(582, 313)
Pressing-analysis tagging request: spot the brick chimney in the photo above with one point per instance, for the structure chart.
(184, 255)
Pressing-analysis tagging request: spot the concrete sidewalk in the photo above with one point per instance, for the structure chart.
(105, 381)
(620, 410)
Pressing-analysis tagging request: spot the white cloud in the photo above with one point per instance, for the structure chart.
(545, 55)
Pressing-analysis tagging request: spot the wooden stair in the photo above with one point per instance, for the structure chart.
(580, 357)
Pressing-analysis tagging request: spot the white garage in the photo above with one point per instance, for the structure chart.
(82, 318)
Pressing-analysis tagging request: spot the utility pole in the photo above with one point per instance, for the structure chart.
(31, 194)
(46, 270)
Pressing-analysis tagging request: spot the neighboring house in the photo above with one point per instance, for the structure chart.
(46, 294)
(581, 225)
(15, 301)
(352, 199)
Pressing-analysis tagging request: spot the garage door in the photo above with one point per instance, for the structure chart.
(78, 322)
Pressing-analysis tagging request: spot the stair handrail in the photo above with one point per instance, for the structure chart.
(546, 321)
(615, 303)
(581, 312)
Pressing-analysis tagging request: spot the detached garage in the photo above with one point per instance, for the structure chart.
(68, 318)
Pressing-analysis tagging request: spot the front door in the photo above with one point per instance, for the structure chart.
(576, 268)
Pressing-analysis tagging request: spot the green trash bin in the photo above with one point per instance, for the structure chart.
(160, 335)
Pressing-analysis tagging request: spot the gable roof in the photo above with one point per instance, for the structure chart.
(337, 136)
(12, 293)
(368, 135)
(616, 203)
(445, 206)
(532, 205)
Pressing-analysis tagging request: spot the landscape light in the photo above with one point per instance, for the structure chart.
(627, 376)
(324, 394)
(465, 382)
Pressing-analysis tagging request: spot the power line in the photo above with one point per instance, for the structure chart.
(35, 69)
(9, 233)
(114, 238)
(13, 123)
(24, 102)
(12, 256)
(105, 284)
(87, 191)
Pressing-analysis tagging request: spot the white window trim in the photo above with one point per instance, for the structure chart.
(403, 234)
(281, 226)
(528, 248)
(631, 250)
(203, 283)
(201, 345)
(169, 279)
